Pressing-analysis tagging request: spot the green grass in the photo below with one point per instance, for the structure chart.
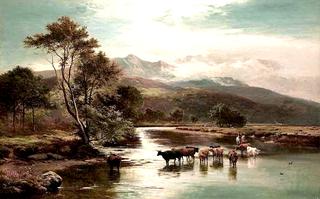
(154, 91)
(36, 139)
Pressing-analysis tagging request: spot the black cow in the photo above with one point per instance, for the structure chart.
(170, 155)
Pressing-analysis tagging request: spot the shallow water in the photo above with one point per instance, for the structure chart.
(264, 177)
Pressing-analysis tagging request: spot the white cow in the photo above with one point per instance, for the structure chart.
(252, 151)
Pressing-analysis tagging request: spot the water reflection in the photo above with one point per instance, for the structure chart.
(217, 166)
(232, 174)
(203, 169)
(177, 168)
(188, 167)
(146, 174)
(171, 168)
(114, 177)
(252, 162)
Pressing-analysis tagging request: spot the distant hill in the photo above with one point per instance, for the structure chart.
(134, 66)
(45, 73)
(209, 83)
(235, 87)
(196, 97)
(145, 83)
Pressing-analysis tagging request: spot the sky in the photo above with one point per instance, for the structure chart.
(273, 44)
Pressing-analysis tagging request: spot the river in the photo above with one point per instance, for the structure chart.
(144, 174)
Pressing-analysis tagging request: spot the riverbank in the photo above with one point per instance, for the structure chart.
(25, 158)
(293, 136)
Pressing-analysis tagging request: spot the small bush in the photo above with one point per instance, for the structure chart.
(225, 117)
(4, 152)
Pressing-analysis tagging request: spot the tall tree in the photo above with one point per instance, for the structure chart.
(21, 90)
(36, 97)
(93, 72)
(66, 41)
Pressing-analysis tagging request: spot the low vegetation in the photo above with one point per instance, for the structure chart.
(224, 116)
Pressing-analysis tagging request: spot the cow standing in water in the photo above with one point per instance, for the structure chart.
(187, 152)
(170, 155)
(242, 147)
(218, 153)
(114, 161)
(233, 158)
(203, 155)
(252, 151)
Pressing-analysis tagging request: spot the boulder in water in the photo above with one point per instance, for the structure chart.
(51, 181)
(39, 156)
(55, 156)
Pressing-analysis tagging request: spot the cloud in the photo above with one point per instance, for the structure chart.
(255, 72)
(245, 39)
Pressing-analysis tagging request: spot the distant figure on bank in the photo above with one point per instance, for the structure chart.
(238, 139)
(114, 161)
(243, 139)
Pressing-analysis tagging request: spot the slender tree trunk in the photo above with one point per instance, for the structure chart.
(82, 127)
(14, 120)
(69, 99)
(23, 116)
(33, 121)
(8, 119)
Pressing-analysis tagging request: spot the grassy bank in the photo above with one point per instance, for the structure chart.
(300, 136)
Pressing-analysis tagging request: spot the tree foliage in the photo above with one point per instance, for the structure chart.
(93, 72)
(127, 100)
(153, 115)
(177, 115)
(20, 91)
(80, 71)
(109, 127)
(194, 119)
(224, 116)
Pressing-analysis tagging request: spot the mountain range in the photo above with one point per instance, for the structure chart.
(162, 91)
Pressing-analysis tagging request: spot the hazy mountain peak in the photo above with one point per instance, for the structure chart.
(132, 57)
(134, 66)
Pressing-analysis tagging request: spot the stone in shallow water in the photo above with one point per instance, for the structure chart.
(39, 156)
(51, 180)
(55, 156)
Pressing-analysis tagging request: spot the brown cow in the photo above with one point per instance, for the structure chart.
(218, 153)
(203, 154)
(242, 147)
(114, 161)
(233, 158)
(187, 151)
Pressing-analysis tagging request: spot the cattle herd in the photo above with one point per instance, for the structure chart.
(203, 153)
(188, 152)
